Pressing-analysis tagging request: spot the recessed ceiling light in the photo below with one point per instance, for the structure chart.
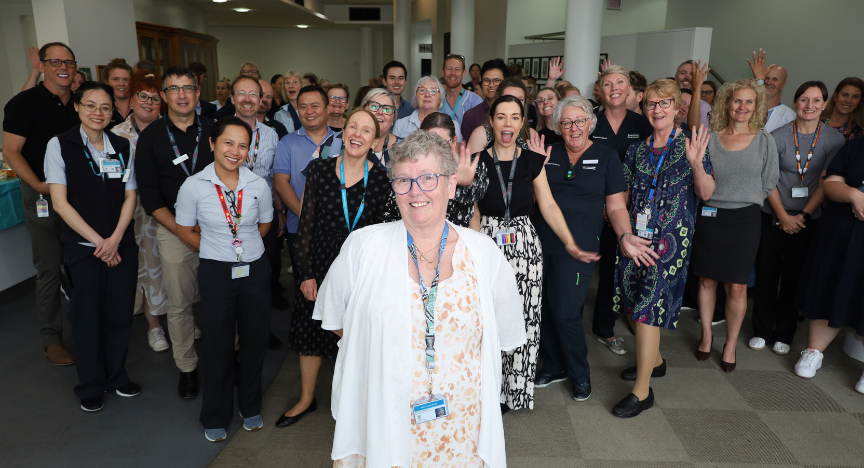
(302, 26)
(219, 1)
(241, 10)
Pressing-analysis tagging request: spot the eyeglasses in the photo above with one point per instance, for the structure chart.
(539, 101)
(92, 108)
(385, 109)
(580, 122)
(493, 81)
(250, 72)
(177, 89)
(663, 103)
(429, 91)
(144, 98)
(425, 182)
(252, 95)
(57, 62)
(338, 98)
(707, 92)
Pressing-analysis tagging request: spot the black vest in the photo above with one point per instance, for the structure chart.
(98, 199)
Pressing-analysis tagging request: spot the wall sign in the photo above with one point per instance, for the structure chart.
(426, 48)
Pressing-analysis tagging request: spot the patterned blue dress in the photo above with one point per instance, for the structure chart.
(652, 295)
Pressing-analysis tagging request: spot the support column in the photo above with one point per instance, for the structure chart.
(462, 29)
(402, 31)
(366, 69)
(582, 43)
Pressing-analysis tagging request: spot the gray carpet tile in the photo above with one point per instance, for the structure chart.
(727, 437)
(781, 391)
(648, 437)
(841, 437)
(636, 464)
(859, 417)
(540, 433)
(533, 462)
(840, 386)
(689, 388)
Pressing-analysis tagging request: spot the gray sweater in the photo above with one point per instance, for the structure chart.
(743, 177)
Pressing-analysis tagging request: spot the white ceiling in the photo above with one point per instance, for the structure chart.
(274, 13)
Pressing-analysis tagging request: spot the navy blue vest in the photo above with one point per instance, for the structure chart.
(97, 199)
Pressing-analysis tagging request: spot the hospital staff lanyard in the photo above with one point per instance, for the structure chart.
(429, 296)
(803, 170)
(384, 153)
(345, 196)
(232, 224)
(100, 174)
(508, 191)
(254, 156)
(177, 151)
(651, 193)
(457, 103)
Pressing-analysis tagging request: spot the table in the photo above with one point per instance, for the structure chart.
(11, 204)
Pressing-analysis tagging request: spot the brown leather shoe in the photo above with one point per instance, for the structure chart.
(58, 355)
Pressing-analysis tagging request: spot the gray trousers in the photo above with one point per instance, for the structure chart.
(47, 257)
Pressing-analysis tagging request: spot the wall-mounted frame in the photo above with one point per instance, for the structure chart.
(613, 4)
(535, 67)
(519, 62)
(544, 68)
(511, 61)
(87, 73)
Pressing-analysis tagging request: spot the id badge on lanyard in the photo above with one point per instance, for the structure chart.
(801, 191)
(111, 167)
(505, 236)
(239, 269)
(643, 218)
(430, 408)
(41, 207)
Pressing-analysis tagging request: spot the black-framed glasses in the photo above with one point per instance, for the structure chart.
(177, 89)
(338, 98)
(425, 182)
(250, 73)
(663, 103)
(252, 95)
(143, 97)
(232, 205)
(385, 109)
(491, 81)
(57, 62)
(706, 92)
(580, 122)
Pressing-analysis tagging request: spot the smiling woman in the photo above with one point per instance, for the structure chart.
(117, 75)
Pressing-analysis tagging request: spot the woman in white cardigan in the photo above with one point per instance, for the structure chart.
(424, 309)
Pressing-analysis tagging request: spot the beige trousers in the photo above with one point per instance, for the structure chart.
(180, 280)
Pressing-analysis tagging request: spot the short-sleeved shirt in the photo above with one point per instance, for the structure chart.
(262, 152)
(474, 118)
(38, 115)
(597, 174)
(408, 125)
(467, 101)
(830, 142)
(529, 165)
(849, 163)
(55, 166)
(634, 128)
(405, 108)
(293, 154)
(198, 202)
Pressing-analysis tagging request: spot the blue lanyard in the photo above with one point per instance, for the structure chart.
(345, 196)
(660, 163)
(429, 296)
(90, 162)
(457, 103)
(177, 151)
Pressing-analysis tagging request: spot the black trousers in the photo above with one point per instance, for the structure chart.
(779, 265)
(229, 305)
(100, 312)
(604, 316)
(562, 336)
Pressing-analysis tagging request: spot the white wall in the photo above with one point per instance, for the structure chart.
(421, 33)
(635, 16)
(172, 13)
(490, 39)
(812, 40)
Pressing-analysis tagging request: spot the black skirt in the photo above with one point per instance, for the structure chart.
(832, 284)
(724, 247)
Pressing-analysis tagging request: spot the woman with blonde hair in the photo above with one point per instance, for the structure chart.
(250, 69)
(844, 111)
(728, 224)
(545, 103)
(287, 115)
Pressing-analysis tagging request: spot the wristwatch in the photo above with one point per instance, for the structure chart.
(760, 82)
(806, 215)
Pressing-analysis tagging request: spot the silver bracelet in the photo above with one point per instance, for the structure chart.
(621, 239)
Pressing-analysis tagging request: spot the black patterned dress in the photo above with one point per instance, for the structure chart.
(320, 235)
(526, 258)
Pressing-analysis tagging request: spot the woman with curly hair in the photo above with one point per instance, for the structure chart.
(728, 224)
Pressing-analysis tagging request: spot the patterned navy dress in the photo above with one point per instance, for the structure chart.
(652, 295)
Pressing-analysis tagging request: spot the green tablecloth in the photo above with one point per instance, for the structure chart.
(11, 204)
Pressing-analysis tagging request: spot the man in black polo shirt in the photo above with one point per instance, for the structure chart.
(170, 150)
(617, 128)
(31, 119)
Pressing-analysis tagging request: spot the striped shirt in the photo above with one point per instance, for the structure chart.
(262, 152)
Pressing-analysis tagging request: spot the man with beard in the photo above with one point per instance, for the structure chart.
(457, 100)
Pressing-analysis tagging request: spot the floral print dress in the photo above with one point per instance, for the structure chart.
(450, 442)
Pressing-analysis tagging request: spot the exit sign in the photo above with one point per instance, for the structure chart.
(427, 48)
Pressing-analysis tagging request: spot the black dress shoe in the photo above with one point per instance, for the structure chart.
(286, 421)
(129, 390)
(504, 408)
(582, 392)
(188, 387)
(92, 404)
(279, 302)
(630, 406)
(629, 374)
(544, 380)
(274, 342)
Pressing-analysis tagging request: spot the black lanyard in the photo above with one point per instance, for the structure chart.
(177, 151)
(135, 126)
(385, 154)
(506, 192)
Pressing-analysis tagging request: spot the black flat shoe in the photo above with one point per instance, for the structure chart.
(630, 406)
(629, 374)
(582, 392)
(504, 408)
(543, 379)
(286, 421)
(91, 404)
(131, 389)
(274, 343)
(188, 387)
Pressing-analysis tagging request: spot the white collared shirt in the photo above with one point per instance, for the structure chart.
(55, 167)
(408, 125)
(198, 202)
(263, 153)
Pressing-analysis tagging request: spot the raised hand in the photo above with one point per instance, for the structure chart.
(33, 53)
(537, 144)
(555, 69)
(695, 148)
(758, 65)
(582, 255)
(466, 170)
(639, 250)
(700, 72)
(604, 65)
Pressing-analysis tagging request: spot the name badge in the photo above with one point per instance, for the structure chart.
(709, 212)
(642, 229)
(632, 135)
(591, 161)
(114, 175)
(430, 408)
(505, 236)
(111, 167)
(800, 192)
(599, 137)
(41, 208)
(239, 270)
(126, 177)
(180, 159)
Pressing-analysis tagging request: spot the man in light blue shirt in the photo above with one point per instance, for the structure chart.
(456, 99)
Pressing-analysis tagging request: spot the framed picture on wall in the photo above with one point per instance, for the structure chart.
(87, 73)
(99, 69)
(544, 68)
(519, 62)
(535, 67)
(511, 61)
(613, 4)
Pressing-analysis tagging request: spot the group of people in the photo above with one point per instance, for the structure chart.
(141, 196)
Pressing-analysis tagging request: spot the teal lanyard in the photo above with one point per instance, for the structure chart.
(345, 196)
(90, 161)
(457, 103)
(429, 296)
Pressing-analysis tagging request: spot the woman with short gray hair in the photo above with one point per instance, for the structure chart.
(428, 97)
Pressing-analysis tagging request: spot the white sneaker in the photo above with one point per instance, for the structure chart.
(156, 339)
(859, 387)
(781, 348)
(758, 344)
(810, 362)
(291, 270)
(197, 333)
